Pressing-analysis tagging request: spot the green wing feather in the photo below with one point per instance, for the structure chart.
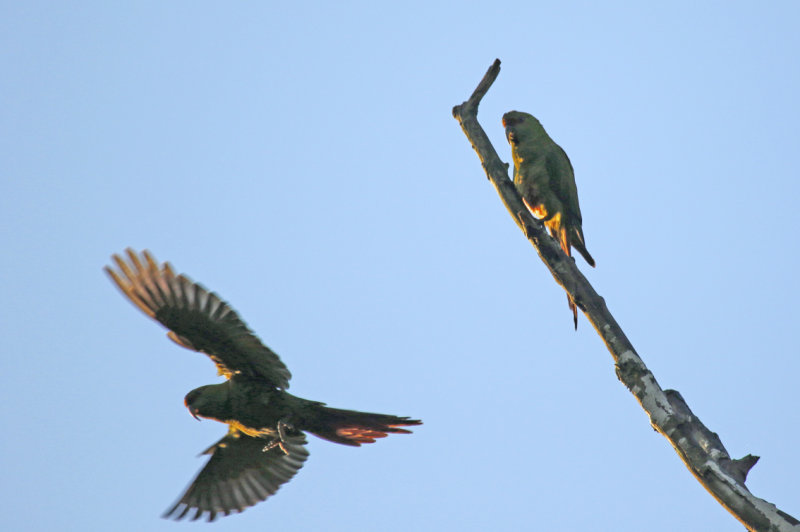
(197, 318)
(239, 474)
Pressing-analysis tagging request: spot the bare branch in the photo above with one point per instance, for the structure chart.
(699, 448)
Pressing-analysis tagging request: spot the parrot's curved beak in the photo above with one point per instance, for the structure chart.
(193, 411)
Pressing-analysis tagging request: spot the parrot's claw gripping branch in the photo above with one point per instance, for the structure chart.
(702, 454)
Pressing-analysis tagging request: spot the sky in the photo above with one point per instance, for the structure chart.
(302, 161)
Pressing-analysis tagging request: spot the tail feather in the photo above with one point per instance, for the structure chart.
(350, 427)
(563, 237)
(574, 308)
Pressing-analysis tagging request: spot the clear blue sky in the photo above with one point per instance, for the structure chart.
(303, 162)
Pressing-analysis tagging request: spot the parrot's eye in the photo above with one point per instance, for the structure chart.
(190, 397)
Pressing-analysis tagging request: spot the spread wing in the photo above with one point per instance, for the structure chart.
(197, 319)
(239, 474)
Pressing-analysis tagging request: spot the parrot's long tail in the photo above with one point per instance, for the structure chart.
(574, 309)
(572, 236)
(350, 427)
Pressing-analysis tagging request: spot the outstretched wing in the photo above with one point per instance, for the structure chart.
(239, 474)
(197, 319)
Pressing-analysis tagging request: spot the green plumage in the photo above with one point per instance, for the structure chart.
(544, 178)
(264, 447)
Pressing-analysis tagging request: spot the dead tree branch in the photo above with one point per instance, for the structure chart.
(699, 448)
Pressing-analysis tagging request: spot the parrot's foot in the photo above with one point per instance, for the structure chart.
(281, 441)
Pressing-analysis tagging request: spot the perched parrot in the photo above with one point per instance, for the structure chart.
(545, 180)
(264, 446)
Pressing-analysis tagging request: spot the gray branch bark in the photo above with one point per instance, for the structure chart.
(698, 447)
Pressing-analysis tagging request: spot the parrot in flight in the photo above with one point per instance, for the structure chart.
(265, 444)
(544, 178)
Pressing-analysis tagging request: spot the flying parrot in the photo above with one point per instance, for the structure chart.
(264, 445)
(544, 178)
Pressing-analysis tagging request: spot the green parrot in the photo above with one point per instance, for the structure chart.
(264, 446)
(544, 178)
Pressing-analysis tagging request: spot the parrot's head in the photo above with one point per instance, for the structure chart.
(513, 118)
(518, 118)
(519, 125)
(210, 402)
